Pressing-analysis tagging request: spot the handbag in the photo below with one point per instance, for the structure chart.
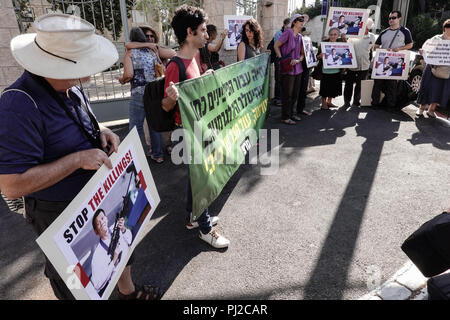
(286, 66)
(16, 205)
(428, 246)
(441, 72)
(160, 70)
(285, 63)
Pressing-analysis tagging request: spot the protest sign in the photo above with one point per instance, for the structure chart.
(234, 26)
(310, 56)
(349, 21)
(437, 52)
(222, 114)
(90, 243)
(338, 55)
(391, 65)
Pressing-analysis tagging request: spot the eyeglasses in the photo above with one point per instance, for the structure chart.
(392, 18)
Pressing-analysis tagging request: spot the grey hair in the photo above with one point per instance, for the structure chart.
(337, 29)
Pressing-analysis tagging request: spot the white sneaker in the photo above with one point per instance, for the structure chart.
(193, 225)
(215, 239)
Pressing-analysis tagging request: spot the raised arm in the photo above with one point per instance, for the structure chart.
(137, 45)
(216, 46)
(128, 70)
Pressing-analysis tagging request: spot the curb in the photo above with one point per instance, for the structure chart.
(408, 283)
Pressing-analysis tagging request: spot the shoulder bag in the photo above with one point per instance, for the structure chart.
(16, 205)
(160, 70)
(441, 72)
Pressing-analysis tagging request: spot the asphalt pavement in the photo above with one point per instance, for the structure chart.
(351, 186)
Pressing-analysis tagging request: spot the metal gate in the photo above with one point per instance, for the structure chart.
(111, 19)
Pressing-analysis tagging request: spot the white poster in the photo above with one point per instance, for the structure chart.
(349, 21)
(310, 56)
(339, 55)
(90, 243)
(437, 52)
(234, 26)
(391, 65)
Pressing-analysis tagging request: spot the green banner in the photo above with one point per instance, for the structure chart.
(222, 114)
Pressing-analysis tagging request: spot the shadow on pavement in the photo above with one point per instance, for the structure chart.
(333, 264)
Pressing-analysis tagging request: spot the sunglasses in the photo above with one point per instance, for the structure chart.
(392, 18)
(447, 25)
(150, 36)
(299, 19)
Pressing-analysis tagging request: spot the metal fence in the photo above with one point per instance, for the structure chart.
(111, 18)
(108, 20)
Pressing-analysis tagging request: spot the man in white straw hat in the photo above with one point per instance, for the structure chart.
(363, 48)
(50, 142)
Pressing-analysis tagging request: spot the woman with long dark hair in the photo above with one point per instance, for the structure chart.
(252, 40)
(139, 69)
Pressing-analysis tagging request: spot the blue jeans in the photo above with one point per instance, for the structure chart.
(204, 221)
(137, 116)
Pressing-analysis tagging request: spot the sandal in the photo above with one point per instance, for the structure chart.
(431, 114)
(144, 292)
(296, 118)
(157, 160)
(288, 121)
(323, 108)
(330, 105)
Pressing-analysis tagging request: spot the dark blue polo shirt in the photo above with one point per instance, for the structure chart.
(30, 136)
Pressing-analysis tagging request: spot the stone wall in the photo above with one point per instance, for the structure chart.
(9, 69)
(216, 10)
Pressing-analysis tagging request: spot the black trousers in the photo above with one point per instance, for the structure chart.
(389, 87)
(277, 80)
(41, 214)
(302, 90)
(354, 77)
(290, 87)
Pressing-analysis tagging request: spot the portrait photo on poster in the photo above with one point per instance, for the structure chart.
(349, 21)
(310, 55)
(338, 55)
(391, 65)
(234, 26)
(97, 233)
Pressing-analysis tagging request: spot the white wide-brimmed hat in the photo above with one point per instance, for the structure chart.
(63, 47)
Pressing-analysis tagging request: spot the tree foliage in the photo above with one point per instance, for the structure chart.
(103, 14)
(163, 11)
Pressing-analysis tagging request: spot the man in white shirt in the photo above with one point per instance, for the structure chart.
(384, 69)
(104, 265)
(363, 49)
(333, 58)
(395, 38)
(341, 25)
